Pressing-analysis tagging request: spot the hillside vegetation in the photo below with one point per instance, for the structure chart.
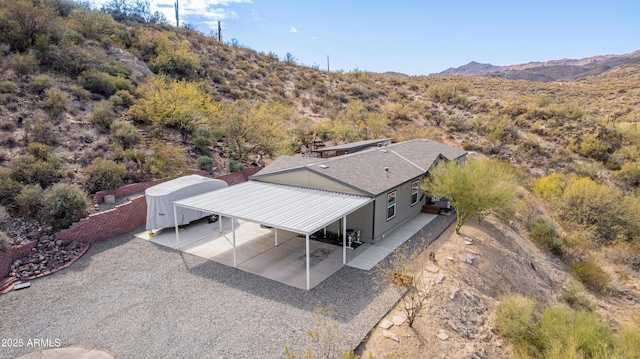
(92, 99)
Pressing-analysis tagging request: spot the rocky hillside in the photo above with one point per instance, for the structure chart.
(91, 102)
(554, 70)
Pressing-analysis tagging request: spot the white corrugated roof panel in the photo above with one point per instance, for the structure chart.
(294, 209)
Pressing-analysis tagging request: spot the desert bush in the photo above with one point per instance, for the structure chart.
(105, 174)
(592, 147)
(584, 202)
(9, 187)
(178, 63)
(23, 64)
(201, 144)
(125, 134)
(102, 114)
(8, 87)
(40, 151)
(29, 201)
(92, 24)
(205, 163)
(235, 166)
(79, 92)
(126, 96)
(64, 204)
(449, 93)
(28, 169)
(40, 130)
(514, 319)
(544, 233)
(103, 83)
(40, 83)
(55, 103)
(573, 294)
(591, 275)
(564, 332)
(629, 174)
(165, 161)
(550, 187)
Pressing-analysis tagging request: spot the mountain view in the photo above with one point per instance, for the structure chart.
(91, 100)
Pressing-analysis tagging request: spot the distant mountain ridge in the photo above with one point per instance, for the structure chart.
(554, 70)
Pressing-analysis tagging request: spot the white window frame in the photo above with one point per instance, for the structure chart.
(393, 205)
(415, 191)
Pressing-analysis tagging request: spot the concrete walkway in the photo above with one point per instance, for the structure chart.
(374, 254)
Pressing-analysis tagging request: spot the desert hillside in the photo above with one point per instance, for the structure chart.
(91, 100)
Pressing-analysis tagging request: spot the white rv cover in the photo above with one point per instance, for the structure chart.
(160, 200)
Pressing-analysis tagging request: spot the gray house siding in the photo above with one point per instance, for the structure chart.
(403, 211)
(360, 220)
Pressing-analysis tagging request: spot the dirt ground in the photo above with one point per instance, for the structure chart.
(457, 320)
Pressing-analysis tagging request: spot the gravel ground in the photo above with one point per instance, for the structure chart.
(135, 299)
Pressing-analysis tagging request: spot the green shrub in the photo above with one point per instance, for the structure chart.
(205, 163)
(544, 233)
(514, 319)
(55, 103)
(165, 161)
(179, 63)
(125, 134)
(92, 24)
(105, 174)
(79, 92)
(126, 96)
(23, 64)
(29, 170)
(8, 87)
(235, 166)
(103, 115)
(40, 151)
(64, 204)
(629, 173)
(9, 187)
(592, 147)
(601, 209)
(591, 275)
(573, 294)
(550, 187)
(563, 331)
(202, 144)
(629, 341)
(103, 83)
(40, 83)
(29, 201)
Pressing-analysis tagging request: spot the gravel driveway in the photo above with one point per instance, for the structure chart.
(135, 299)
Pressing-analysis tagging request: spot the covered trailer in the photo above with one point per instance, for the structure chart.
(160, 200)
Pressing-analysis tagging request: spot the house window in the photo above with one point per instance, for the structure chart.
(415, 186)
(391, 205)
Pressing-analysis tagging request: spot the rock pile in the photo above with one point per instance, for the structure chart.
(47, 255)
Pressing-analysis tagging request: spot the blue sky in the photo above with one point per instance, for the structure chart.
(418, 37)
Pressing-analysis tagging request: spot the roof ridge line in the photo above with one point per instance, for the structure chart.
(408, 160)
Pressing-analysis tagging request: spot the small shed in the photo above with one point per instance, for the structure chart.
(160, 200)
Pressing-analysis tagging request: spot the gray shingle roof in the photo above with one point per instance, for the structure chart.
(365, 169)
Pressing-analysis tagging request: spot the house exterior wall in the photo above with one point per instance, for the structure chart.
(361, 220)
(404, 210)
(307, 179)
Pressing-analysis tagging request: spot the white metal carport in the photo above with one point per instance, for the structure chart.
(294, 209)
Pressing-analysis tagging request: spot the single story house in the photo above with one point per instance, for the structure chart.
(389, 174)
(371, 190)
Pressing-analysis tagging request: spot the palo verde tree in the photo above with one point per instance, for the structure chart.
(480, 186)
(181, 105)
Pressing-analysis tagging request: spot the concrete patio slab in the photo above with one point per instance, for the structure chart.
(257, 253)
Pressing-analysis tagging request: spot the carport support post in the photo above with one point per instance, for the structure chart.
(175, 221)
(308, 281)
(220, 223)
(276, 235)
(344, 240)
(233, 229)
